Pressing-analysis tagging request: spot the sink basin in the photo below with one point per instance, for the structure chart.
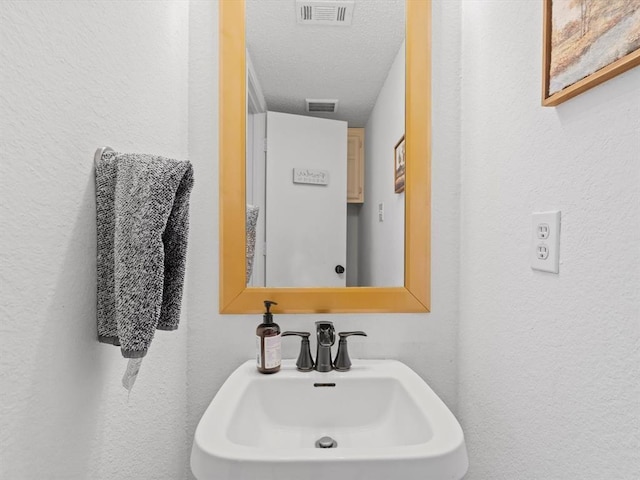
(380, 420)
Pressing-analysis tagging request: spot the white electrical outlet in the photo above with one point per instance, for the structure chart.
(545, 246)
(381, 212)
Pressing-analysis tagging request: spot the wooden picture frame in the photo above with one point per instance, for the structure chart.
(399, 166)
(585, 52)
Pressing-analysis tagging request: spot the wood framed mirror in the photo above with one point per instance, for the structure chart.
(414, 296)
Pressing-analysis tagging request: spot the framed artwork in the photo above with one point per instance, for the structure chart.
(587, 42)
(398, 165)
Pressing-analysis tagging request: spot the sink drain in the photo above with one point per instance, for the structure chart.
(326, 442)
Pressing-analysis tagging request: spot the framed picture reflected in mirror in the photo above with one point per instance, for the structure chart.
(398, 164)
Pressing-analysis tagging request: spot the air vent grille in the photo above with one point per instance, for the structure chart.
(329, 12)
(325, 106)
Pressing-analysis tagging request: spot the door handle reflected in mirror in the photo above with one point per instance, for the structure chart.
(339, 269)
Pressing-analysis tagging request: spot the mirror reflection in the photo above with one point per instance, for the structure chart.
(325, 123)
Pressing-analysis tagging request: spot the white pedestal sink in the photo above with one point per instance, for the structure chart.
(381, 419)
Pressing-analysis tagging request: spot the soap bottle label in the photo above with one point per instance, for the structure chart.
(259, 351)
(272, 351)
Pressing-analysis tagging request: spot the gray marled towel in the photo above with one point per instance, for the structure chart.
(142, 204)
(251, 221)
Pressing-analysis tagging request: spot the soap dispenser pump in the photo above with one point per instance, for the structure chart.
(268, 342)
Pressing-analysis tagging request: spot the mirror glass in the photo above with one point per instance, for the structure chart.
(325, 133)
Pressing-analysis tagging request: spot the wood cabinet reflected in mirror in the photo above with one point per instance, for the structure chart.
(414, 295)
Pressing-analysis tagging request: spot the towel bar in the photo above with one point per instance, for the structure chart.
(99, 153)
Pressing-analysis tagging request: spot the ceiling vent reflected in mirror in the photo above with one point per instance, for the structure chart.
(324, 106)
(320, 12)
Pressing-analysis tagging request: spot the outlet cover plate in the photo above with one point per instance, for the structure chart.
(545, 245)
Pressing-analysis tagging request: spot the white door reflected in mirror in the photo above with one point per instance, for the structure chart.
(361, 65)
(306, 227)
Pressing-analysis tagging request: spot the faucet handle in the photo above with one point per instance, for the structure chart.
(343, 362)
(348, 334)
(305, 361)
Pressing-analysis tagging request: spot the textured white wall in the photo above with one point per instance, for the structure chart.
(77, 75)
(381, 244)
(549, 365)
(219, 343)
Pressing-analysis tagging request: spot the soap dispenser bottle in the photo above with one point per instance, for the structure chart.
(268, 342)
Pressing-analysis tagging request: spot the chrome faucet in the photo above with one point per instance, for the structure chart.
(326, 338)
